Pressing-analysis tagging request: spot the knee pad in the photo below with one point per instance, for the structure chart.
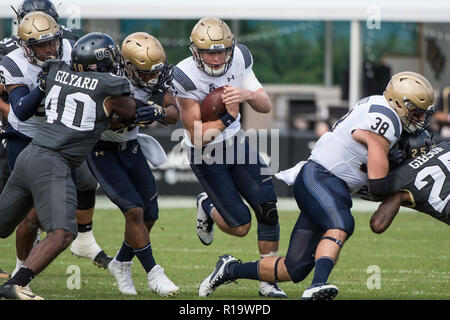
(86, 199)
(267, 213)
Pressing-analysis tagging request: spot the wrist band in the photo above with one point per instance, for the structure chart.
(227, 119)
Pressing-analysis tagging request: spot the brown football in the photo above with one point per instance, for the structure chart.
(212, 107)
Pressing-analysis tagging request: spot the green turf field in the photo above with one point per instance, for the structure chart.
(413, 259)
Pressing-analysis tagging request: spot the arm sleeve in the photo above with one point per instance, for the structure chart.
(25, 103)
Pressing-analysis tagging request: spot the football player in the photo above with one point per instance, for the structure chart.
(422, 183)
(80, 100)
(85, 245)
(353, 154)
(120, 166)
(217, 60)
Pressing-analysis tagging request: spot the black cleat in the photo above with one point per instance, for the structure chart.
(16, 292)
(102, 260)
(4, 274)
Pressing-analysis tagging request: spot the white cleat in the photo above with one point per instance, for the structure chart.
(85, 246)
(159, 283)
(218, 277)
(323, 292)
(271, 290)
(204, 224)
(122, 272)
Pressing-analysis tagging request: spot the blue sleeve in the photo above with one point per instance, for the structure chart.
(25, 103)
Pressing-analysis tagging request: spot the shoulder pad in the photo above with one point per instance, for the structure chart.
(183, 79)
(248, 60)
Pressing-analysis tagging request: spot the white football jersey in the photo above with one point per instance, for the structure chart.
(16, 69)
(124, 134)
(341, 154)
(192, 83)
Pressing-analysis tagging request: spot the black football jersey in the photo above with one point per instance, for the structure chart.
(427, 179)
(75, 115)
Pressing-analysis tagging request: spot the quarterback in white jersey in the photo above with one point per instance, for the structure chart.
(119, 162)
(218, 61)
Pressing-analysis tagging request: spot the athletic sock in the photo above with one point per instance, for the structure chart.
(247, 270)
(125, 253)
(322, 270)
(22, 277)
(207, 206)
(145, 256)
(85, 227)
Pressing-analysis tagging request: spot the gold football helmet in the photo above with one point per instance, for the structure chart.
(411, 96)
(212, 35)
(144, 60)
(38, 28)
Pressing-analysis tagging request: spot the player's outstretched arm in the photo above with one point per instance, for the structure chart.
(386, 212)
(123, 106)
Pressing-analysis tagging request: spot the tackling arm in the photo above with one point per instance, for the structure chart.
(388, 209)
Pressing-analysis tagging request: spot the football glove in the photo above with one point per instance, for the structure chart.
(42, 80)
(147, 113)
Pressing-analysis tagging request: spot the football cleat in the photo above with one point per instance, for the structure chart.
(102, 260)
(159, 283)
(4, 274)
(85, 246)
(320, 292)
(14, 291)
(204, 224)
(271, 290)
(219, 276)
(122, 272)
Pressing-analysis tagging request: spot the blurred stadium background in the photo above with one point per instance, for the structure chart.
(315, 59)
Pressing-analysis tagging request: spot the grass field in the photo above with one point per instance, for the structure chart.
(413, 258)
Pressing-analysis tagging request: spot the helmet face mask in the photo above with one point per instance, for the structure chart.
(212, 37)
(417, 120)
(37, 32)
(144, 61)
(411, 96)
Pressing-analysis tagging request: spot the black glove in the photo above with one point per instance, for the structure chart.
(42, 80)
(364, 194)
(147, 113)
(396, 155)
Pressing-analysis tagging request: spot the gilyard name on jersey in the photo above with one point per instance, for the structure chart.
(75, 80)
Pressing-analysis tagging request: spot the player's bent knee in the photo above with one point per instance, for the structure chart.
(86, 199)
(241, 231)
(135, 215)
(267, 213)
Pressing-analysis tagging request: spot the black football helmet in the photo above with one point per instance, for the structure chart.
(96, 51)
(28, 6)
